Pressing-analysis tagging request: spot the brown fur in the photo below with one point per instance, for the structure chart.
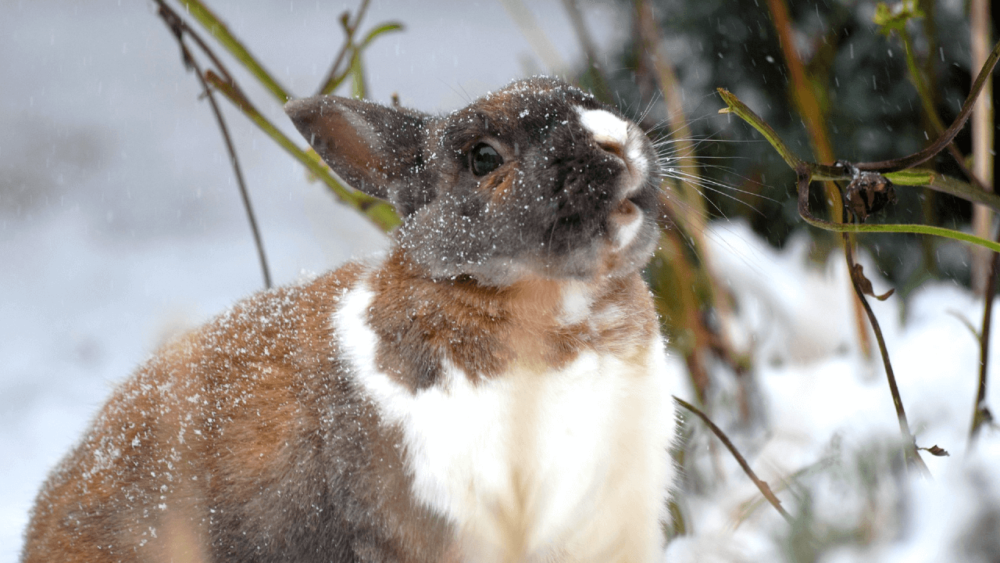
(482, 329)
(238, 427)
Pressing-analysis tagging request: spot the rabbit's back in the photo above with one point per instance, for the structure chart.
(526, 423)
(248, 440)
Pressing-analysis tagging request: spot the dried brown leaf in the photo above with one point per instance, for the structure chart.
(936, 451)
(866, 285)
(868, 193)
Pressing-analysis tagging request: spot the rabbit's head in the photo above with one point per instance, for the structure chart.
(537, 179)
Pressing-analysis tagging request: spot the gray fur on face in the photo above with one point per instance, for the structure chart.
(546, 211)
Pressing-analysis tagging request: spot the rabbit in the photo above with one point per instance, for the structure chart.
(494, 389)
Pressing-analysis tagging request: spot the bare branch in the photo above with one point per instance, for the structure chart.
(764, 488)
(980, 414)
(333, 77)
(179, 30)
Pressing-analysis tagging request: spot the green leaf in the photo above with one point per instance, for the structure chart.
(357, 76)
(379, 30)
(734, 105)
(895, 18)
(904, 228)
(214, 26)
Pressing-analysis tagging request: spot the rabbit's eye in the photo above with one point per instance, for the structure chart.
(484, 159)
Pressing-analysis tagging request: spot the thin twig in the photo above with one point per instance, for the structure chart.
(761, 485)
(350, 28)
(909, 442)
(980, 415)
(601, 89)
(689, 209)
(836, 172)
(927, 101)
(175, 23)
(805, 170)
(808, 106)
(379, 212)
(533, 33)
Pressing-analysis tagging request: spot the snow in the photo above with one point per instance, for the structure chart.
(829, 411)
(119, 220)
(120, 225)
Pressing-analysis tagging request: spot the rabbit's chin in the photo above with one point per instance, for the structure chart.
(623, 249)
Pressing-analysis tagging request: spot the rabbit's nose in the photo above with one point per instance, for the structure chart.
(609, 131)
(613, 147)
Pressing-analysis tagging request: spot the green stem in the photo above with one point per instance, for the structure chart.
(214, 25)
(734, 105)
(803, 206)
(826, 172)
(926, 100)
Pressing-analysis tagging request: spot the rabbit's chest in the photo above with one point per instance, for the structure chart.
(535, 457)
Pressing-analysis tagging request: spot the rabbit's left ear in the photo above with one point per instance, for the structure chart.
(373, 148)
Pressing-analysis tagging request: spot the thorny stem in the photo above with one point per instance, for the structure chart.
(173, 21)
(761, 485)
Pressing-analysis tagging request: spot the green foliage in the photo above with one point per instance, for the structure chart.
(895, 18)
(862, 79)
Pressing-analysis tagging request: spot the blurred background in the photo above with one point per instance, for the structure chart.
(121, 225)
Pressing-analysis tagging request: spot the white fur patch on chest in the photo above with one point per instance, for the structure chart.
(534, 464)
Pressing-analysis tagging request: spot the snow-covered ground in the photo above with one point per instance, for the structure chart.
(120, 225)
(828, 437)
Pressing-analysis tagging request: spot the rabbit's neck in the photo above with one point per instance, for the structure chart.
(483, 330)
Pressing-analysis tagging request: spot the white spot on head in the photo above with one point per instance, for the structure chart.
(609, 129)
(606, 127)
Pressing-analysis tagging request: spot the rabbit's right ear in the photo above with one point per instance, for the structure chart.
(373, 148)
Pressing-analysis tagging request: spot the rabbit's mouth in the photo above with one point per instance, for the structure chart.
(625, 221)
